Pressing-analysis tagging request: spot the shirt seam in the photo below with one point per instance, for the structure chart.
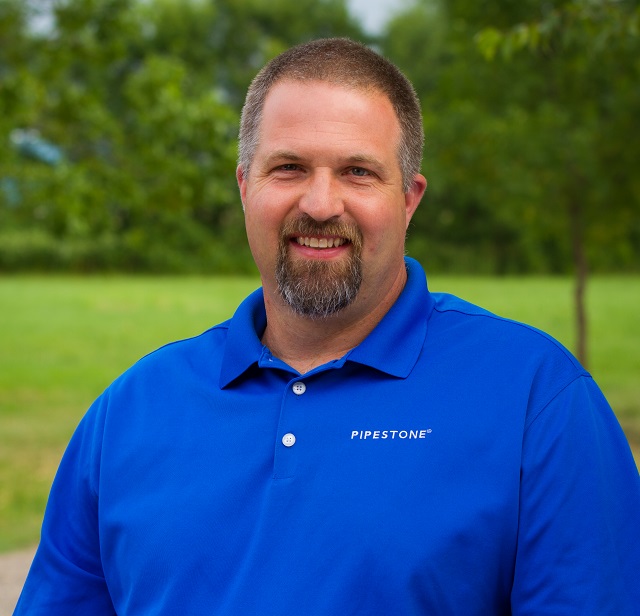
(545, 406)
(166, 345)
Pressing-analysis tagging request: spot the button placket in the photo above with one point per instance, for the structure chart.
(287, 447)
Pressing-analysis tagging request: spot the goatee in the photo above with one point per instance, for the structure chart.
(318, 288)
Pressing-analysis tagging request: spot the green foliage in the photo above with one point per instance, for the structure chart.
(598, 23)
(144, 100)
(523, 150)
(528, 155)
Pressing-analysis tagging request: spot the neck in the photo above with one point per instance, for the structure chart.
(306, 343)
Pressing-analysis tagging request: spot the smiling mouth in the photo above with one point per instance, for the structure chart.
(320, 242)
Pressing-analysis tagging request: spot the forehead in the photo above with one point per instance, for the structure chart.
(305, 113)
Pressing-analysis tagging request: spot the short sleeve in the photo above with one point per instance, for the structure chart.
(66, 576)
(578, 547)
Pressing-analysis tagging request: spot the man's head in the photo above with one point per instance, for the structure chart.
(347, 64)
(331, 140)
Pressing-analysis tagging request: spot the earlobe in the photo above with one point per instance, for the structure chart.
(413, 196)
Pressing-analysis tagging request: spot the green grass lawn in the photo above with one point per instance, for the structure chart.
(64, 339)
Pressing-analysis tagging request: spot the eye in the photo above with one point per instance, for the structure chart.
(288, 167)
(359, 172)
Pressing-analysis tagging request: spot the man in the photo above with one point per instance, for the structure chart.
(347, 443)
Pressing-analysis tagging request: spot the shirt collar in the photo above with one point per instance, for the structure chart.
(392, 347)
(396, 342)
(243, 347)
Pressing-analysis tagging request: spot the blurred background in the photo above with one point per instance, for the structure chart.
(118, 128)
(118, 125)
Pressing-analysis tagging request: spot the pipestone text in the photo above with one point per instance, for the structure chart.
(364, 435)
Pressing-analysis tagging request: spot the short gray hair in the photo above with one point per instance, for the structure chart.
(346, 63)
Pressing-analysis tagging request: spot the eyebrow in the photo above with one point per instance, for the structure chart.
(364, 158)
(354, 159)
(278, 155)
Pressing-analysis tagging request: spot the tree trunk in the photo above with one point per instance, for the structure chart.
(580, 269)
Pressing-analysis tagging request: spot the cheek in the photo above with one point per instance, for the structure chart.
(384, 228)
(264, 209)
(263, 233)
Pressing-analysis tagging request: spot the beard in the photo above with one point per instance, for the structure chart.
(318, 288)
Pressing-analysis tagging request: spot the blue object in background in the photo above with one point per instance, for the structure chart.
(30, 144)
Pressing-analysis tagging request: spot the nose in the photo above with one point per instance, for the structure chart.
(322, 199)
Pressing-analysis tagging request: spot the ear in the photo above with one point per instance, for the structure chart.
(242, 184)
(413, 196)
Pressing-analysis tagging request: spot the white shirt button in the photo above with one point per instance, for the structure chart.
(288, 440)
(299, 388)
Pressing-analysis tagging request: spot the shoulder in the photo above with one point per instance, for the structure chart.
(510, 358)
(477, 325)
(174, 360)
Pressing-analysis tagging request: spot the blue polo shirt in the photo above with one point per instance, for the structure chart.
(453, 463)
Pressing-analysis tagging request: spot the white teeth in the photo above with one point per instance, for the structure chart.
(314, 242)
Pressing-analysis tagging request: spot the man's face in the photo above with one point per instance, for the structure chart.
(325, 212)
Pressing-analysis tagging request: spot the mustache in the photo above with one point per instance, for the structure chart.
(305, 225)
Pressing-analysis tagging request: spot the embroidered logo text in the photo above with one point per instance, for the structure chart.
(364, 435)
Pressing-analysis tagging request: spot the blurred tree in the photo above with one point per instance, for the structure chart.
(472, 218)
(589, 52)
(144, 99)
